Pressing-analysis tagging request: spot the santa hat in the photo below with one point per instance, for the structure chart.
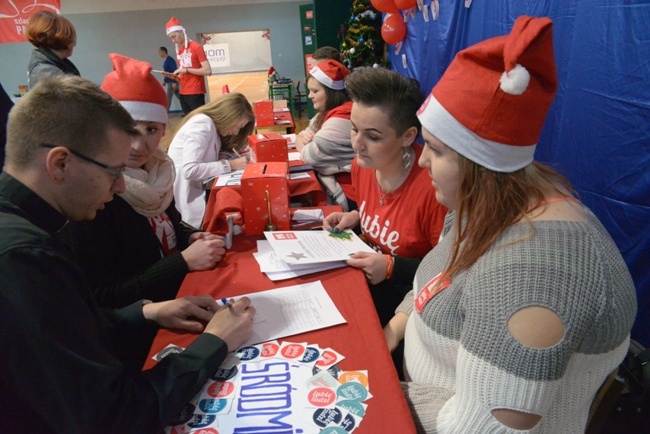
(132, 84)
(330, 73)
(173, 25)
(491, 103)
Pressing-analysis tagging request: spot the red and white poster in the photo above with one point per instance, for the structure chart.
(15, 14)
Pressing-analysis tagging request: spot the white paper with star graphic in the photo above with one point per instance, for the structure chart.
(311, 247)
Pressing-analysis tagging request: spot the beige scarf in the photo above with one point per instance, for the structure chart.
(149, 190)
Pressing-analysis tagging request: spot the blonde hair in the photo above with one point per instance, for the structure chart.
(489, 202)
(224, 111)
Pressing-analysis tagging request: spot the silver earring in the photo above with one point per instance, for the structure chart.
(406, 158)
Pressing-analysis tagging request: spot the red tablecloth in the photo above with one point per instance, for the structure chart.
(361, 340)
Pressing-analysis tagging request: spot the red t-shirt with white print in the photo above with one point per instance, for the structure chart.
(191, 84)
(410, 221)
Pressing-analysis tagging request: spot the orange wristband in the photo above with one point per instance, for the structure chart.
(390, 262)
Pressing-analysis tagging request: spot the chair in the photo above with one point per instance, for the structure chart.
(300, 99)
(225, 89)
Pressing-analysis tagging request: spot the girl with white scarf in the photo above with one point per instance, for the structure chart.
(137, 248)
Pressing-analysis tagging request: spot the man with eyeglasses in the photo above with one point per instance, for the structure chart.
(62, 367)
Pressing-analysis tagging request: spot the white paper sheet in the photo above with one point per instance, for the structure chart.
(292, 310)
(313, 247)
(276, 269)
(229, 179)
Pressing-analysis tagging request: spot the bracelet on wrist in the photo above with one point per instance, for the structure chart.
(390, 263)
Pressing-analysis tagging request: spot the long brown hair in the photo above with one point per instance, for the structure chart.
(489, 202)
(333, 99)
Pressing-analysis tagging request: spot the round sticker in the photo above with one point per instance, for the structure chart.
(212, 405)
(311, 355)
(353, 407)
(355, 376)
(184, 415)
(270, 349)
(348, 423)
(324, 416)
(333, 370)
(353, 391)
(249, 353)
(220, 389)
(321, 397)
(206, 431)
(225, 374)
(202, 420)
(292, 351)
(327, 359)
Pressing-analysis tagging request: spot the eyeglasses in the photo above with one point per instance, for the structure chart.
(117, 173)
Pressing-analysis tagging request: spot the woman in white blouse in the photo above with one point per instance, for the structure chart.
(221, 125)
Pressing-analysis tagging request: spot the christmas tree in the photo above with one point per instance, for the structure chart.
(363, 45)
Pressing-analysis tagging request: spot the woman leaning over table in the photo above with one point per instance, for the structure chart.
(400, 219)
(137, 248)
(54, 37)
(525, 306)
(325, 143)
(197, 150)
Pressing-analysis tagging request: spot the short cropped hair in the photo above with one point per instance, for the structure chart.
(63, 110)
(398, 96)
(50, 30)
(325, 53)
(164, 50)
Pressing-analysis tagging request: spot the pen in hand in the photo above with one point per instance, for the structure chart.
(226, 302)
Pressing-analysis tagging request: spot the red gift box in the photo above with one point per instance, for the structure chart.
(256, 181)
(264, 113)
(268, 147)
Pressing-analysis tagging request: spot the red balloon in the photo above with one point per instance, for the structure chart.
(405, 4)
(386, 6)
(393, 30)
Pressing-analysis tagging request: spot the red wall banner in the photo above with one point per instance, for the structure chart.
(15, 14)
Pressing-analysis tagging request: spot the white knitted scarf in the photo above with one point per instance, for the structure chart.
(149, 190)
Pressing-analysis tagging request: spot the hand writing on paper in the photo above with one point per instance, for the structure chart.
(340, 221)
(233, 323)
(373, 265)
(204, 252)
(187, 313)
(238, 163)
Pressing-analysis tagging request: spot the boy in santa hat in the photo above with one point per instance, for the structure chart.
(193, 65)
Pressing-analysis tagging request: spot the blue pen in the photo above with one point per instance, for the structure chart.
(226, 302)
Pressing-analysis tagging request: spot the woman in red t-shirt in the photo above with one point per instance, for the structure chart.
(400, 219)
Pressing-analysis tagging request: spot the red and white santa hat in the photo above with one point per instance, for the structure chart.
(173, 25)
(491, 103)
(132, 84)
(330, 73)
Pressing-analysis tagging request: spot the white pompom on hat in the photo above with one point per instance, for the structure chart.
(139, 92)
(330, 73)
(491, 103)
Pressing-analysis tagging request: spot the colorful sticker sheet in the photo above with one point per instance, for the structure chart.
(277, 387)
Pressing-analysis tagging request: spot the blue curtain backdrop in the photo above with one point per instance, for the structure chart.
(598, 130)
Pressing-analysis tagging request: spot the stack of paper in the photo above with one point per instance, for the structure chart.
(294, 253)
